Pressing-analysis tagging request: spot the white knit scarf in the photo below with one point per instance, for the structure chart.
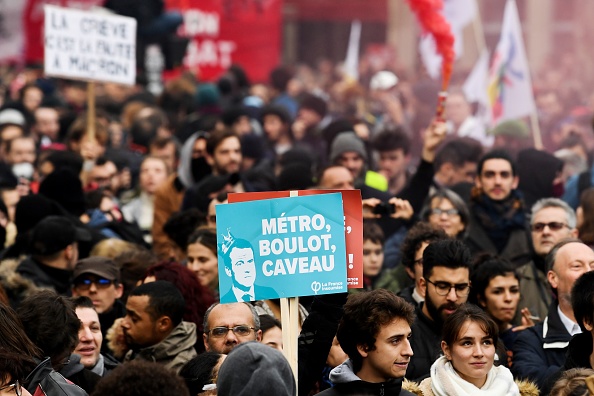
(445, 381)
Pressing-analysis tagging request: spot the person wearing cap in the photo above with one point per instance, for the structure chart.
(12, 125)
(54, 251)
(98, 278)
(386, 104)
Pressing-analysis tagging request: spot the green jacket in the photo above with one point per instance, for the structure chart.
(174, 351)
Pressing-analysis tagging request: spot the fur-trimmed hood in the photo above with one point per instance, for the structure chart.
(17, 287)
(527, 388)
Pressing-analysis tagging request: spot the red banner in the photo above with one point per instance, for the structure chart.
(226, 32)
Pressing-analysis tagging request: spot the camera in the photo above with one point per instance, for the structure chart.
(384, 209)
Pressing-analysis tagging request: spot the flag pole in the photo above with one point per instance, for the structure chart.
(536, 135)
(477, 29)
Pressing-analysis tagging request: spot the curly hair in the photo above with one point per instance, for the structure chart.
(416, 236)
(139, 377)
(485, 268)
(364, 315)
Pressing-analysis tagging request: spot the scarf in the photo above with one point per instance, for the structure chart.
(445, 381)
(499, 218)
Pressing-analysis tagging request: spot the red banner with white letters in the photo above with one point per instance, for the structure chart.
(226, 32)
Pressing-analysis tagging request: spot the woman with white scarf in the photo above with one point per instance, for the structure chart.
(468, 343)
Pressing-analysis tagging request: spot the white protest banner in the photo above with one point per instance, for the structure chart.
(89, 46)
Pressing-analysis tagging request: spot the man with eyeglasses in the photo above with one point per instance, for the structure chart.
(446, 285)
(552, 220)
(153, 326)
(99, 279)
(540, 351)
(228, 325)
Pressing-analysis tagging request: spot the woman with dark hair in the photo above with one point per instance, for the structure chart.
(200, 374)
(22, 366)
(198, 298)
(469, 337)
(496, 288)
(446, 210)
(202, 258)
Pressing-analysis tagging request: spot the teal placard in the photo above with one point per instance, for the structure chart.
(284, 247)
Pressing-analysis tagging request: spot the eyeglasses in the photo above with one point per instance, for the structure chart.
(85, 284)
(553, 226)
(439, 212)
(241, 331)
(443, 288)
(18, 389)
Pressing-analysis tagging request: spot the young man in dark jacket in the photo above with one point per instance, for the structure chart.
(374, 332)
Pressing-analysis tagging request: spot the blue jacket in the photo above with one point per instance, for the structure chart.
(539, 351)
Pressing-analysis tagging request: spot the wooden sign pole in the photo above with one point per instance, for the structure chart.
(91, 111)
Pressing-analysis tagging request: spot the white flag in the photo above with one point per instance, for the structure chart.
(475, 87)
(510, 89)
(351, 63)
(458, 13)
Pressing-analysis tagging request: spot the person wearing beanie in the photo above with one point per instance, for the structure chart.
(348, 150)
(255, 369)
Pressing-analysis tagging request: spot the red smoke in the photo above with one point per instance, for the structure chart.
(432, 21)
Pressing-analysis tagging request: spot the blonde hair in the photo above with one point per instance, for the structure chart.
(112, 247)
(572, 383)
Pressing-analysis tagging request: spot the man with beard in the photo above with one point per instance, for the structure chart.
(223, 154)
(540, 351)
(153, 326)
(446, 285)
(498, 223)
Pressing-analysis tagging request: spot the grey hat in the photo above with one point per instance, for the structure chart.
(344, 142)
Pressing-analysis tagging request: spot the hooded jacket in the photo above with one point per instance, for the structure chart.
(346, 382)
(16, 286)
(174, 351)
(255, 369)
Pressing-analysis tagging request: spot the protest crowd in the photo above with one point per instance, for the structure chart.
(477, 243)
